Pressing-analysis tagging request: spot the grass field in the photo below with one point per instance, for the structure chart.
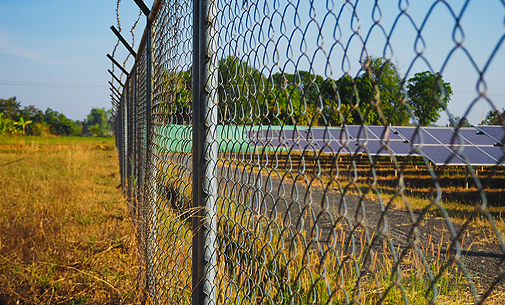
(65, 234)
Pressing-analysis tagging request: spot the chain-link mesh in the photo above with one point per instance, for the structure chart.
(311, 162)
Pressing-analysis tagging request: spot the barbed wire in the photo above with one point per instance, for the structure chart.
(119, 30)
(132, 32)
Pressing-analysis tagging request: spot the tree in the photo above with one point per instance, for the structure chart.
(10, 108)
(23, 124)
(7, 126)
(32, 113)
(295, 98)
(17, 120)
(177, 98)
(428, 95)
(241, 90)
(350, 102)
(40, 129)
(381, 89)
(494, 117)
(375, 97)
(457, 122)
(59, 124)
(95, 130)
(100, 117)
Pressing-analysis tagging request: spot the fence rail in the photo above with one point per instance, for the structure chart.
(280, 152)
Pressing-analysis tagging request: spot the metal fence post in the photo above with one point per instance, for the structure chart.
(121, 141)
(134, 141)
(124, 153)
(127, 166)
(149, 201)
(204, 154)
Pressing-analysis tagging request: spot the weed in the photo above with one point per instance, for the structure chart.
(84, 220)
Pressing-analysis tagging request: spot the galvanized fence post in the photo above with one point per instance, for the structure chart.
(149, 200)
(204, 154)
(134, 140)
(121, 147)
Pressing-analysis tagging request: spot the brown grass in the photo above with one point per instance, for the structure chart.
(65, 234)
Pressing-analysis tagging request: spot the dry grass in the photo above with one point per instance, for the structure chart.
(65, 234)
(460, 205)
(66, 238)
(289, 271)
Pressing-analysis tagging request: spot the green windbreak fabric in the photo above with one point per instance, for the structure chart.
(178, 138)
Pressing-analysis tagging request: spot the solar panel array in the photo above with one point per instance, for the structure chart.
(482, 145)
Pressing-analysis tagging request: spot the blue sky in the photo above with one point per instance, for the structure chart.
(482, 24)
(52, 53)
(55, 52)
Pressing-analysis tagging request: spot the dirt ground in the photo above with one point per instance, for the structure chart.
(317, 209)
(305, 205)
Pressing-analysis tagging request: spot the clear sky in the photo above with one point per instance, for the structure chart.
(52, 53)
(481, 32)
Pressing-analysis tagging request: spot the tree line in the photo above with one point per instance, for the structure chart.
(379, 95)
(29, 120)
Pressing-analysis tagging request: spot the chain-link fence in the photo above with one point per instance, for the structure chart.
(284, 152)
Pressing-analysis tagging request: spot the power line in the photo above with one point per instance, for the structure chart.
(51, 85)
(497, 93)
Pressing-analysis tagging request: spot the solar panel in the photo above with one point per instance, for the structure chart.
(359, 132)
(473, 137)
(372, 147)
(305, 133)
(441, 155)
(375, 147)
(299, 139)
(336, 147)
(353, 147)
(299, 145)
(327, 146)
(341, 136)
(288, 134)
(263, 134)
(495, 152)
(384, 133)
(302, 145)
(319, 133)
(298, 133)
(446, 136)
(475, 156)
(401, 149)
(277, 142)
(496, 132)
(323, 133)
(415, 135)
(438, 142)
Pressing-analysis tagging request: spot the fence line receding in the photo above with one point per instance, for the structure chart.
(291, 152)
